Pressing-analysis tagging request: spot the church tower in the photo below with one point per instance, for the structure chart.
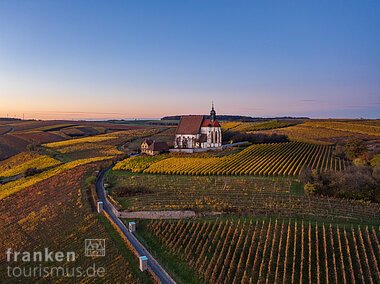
(212, 113)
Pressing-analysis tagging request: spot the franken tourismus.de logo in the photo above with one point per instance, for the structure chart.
(95, 247)
(47, 263)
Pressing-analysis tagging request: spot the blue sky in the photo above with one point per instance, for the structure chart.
(135, 59)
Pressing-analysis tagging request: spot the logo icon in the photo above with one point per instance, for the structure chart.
(95, 247)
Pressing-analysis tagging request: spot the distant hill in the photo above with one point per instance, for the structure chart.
(9, 119)
(240, 118)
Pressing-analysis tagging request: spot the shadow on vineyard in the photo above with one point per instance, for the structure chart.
(248, 250)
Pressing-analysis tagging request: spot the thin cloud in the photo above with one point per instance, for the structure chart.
(309, 101)
(72, 112)
(249, 109)
(362, 106)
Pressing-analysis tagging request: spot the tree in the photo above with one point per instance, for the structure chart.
(305, 175)
(31, 147)
(355, 148)
(339, 152)
(376, 174)
(32, 172)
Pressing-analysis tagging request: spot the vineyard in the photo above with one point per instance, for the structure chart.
(330, 132)
(15, 136)
(256, 126)
(21, 162)
(100, 145)
(232, 194)
(93, 139)
(138, 164)
(362, 128)
(22, 183)
(262, 159)
(55, 214)
(270, 251)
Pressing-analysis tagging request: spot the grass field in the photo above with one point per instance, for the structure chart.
(264, 251)
(261, 159)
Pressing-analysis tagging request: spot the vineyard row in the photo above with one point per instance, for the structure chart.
(273, 251)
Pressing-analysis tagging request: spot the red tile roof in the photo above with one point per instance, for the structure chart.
(148, 141)
(209, 123)
(189, 124)
(158, 146)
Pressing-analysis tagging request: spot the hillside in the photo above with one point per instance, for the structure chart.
(254, 219)
(240, 118)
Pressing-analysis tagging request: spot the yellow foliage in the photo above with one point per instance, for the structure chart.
(16, 160)
(261, 159)
(101, 149)
(231, 124)
(30, 161)
(92, 139)
(15, 186)
(328, 132)
(355, 127)
(139, 163)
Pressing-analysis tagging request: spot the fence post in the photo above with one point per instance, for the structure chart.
(143, 263)
(100, 206)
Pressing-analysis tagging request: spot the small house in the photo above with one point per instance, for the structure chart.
(151, 147)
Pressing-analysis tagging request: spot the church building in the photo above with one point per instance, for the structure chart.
(195, 133)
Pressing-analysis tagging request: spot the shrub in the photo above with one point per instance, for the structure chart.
(355, 148)
(356, 182)
(255, 138)
(31, 148)
(305, 175)
(310, 188)
(32, 172)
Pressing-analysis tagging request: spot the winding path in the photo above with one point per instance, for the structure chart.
(154, 266)
(10, 130)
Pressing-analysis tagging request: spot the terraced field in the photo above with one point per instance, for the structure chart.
(99, 145)
(262, 159)
(16, 135)
(268, 251)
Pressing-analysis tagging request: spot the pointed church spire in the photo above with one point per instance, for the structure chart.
(212, 113)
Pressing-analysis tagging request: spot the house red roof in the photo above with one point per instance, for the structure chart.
(189, 124)
(148, 141)
(209, 123)
(158, 146)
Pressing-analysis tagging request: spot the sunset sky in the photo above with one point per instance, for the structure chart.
(147, 59)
